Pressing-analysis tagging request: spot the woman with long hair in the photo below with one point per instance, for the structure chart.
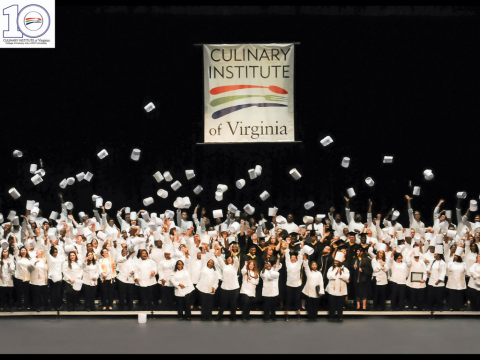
(55, 266)
(230, 286)
(456, 281)
(474, 285)
(72, 271)
(380, 268)
(108, 274)
(436, 283)
(338, 276)
(250, 280)
(270, 290)
(39, 281)
(125, 279)
(207, 285)
(7, 269)
(313, 289)
(23, 265)
(91, 272)
(183, 290)
(145, 270)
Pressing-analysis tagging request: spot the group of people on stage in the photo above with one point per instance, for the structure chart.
(239, 261)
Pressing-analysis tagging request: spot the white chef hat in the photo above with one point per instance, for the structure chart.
(416, 251)
(381, 246)
(439, 249)
(459, 251)
(272, 211)
(339, 256)
(308, 250)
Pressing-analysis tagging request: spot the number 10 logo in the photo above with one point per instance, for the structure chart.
(32, 21)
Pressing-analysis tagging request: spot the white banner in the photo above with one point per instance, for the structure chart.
(248, 93)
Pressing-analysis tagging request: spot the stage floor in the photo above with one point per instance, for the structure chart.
(113, 335)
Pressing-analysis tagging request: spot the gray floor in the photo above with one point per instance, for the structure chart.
(452, 335)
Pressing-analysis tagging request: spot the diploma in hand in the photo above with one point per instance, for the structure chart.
(416, 276)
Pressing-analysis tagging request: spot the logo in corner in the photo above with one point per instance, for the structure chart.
(33, 21)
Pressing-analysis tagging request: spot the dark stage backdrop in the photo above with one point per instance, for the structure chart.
(405, 86)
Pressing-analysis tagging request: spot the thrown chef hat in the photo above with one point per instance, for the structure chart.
(339, 256)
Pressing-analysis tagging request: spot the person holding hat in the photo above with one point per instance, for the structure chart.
(108, 275)
(436, 283)
(456, 285)
(414, 216)
(230, 286)
(313, 289)
(362, 273)
(270, 290)
(338, 276)
(393, 222)
(474, 285)
(207, 284)
(55, 284)
(416, 289)
(294, 281)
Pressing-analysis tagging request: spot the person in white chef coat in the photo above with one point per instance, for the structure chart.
(338, 276)
(55, 267)
(39, 281)
(23, 264)
(474, 285)
(7, 269)
(72, 271)
(313, 289)
(183, 290)
(436, 283)
(416, 287)
(91, 273)
(456, 285)
(125, 279)
(250, 280)
(144, 272)
(207, 284)
(230, 286)
(270, 290)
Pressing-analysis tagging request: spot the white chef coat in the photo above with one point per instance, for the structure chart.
(76, 272)
(249, 286)
(474, 274)
(456, 276)
(142, 271)
(337, 227)
(270, 286)
(337, 285)
(182, 277)
(165, 271)
(416, 266)
(22, 266)
(55, 265)
(91, 272)
(418, 226)
(39, 276)
(293, 269)
(6, 272)
(314, 279)
(438, 269)
(208, 280)
(125, 269)
(230, 278)
(399, 272)
(290, 227)
(380, 272)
